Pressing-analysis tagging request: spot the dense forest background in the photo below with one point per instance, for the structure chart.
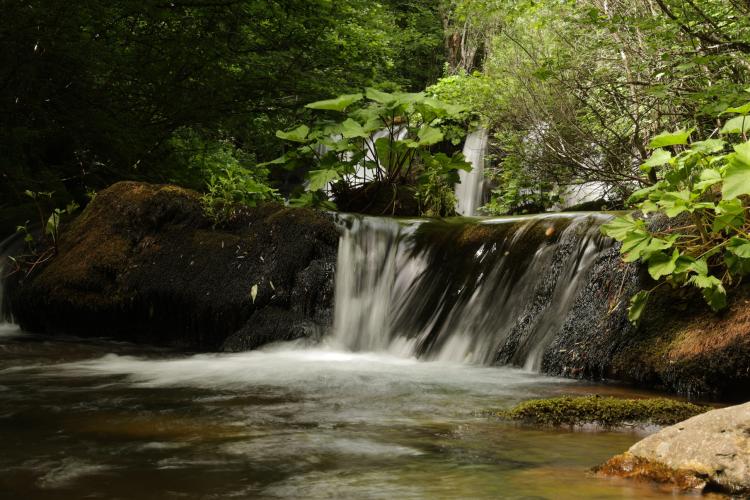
(572, 91)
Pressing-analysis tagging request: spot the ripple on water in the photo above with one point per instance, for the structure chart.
(68, 470)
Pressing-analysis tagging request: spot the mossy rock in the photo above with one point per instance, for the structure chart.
(143, 263)
(605, 411)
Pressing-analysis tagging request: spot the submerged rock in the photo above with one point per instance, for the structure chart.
(710, 452)
(142, 263)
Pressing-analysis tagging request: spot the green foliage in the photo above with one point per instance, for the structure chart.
(379, 137)
(98, 92)
(232, 187)
(436, 188)
(705, 184)
(576, 92)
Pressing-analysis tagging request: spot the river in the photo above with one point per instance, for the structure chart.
(102, 419)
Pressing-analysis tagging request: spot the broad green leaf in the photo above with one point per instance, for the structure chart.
(637, 305)
(737, 125)
(619, 227)
(742, 153)
(675, 202)
(661, 264)
(729, 214)
(351, 129)
(700, 266)
(708, 177)
(684, 264)
(642, 193)
(429, 136)
(705, 281)
(278, 161)
(635, 245)
(648, 207)
(742, 110)
(658, 158)
(298, 134)
(708, 146)
(379, 96)
(740, 247)
(736, 179)
(340, 103)
(671, 138)
(319, 179)
(405, 98)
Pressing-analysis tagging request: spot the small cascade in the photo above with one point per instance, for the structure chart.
(492, 291)
(6, 318)
(469, 189)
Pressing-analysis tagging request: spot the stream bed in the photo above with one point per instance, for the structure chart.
(99, 419)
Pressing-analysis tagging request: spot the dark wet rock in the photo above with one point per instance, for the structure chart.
(142, 263)
(680, 345)
(709, 452)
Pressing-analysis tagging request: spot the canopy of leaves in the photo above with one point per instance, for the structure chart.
(104, 90)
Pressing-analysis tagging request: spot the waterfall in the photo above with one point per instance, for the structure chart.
(469, 188)
(13, 245)
(482, 291)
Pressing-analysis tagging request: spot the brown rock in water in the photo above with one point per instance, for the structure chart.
(710, 452)
(143, 263)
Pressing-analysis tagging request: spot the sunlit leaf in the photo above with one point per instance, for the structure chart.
(298, 134)
(379, 96)
(661, 264)
(658, 158)
(340, 103)
(737, 125)
(736, 180)
(319, 179)
(742, 110)
(671, 138)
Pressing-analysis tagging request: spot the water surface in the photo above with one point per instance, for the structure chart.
(96, 419)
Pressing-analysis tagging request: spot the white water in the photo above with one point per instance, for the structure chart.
(405, 289)
(7, 329)
(469, 189)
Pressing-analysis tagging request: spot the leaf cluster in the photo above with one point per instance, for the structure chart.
(703, 187)
(376, 136)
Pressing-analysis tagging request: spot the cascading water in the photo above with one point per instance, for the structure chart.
(485, 291)
(469, 188)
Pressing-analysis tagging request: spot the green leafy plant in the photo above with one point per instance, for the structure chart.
(435, 193)
(703, 186)
(376, 137)
(233, 186)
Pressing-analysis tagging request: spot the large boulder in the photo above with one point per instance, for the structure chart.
(709, 452)
(143, 263)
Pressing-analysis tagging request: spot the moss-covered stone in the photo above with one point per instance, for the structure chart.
(144, 264)
(604, 411)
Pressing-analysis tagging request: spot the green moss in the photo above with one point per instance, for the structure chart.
(608, 411)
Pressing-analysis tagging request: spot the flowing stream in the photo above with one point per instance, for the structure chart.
(392, 404)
